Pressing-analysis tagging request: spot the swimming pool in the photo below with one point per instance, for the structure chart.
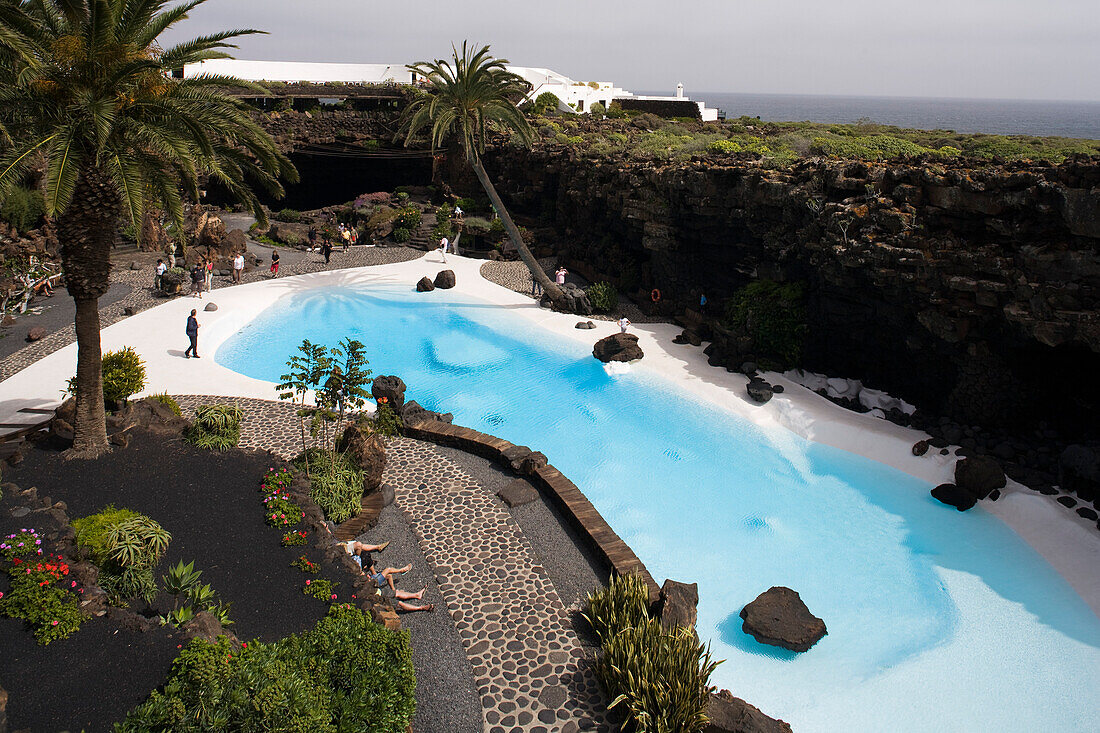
(937, 620)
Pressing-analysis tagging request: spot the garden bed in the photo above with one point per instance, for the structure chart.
(211, 505)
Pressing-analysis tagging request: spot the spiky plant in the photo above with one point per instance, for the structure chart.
(470, 94)
(86, 89)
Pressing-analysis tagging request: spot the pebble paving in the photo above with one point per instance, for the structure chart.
(530, 668)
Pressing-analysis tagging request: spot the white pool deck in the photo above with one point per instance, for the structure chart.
(1070, 545)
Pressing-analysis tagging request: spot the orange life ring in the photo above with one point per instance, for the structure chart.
(655, 294)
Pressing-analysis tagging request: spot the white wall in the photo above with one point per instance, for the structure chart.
(292, 71)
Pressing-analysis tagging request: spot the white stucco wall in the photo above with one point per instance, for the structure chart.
(302, 71)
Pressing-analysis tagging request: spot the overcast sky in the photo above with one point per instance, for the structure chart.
(1007, 49)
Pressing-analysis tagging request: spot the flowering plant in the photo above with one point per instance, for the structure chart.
(282, 512)
(304, 564)
(320, 589)
(276, 481)
(52, 612)
(291, 539)
(23, 542)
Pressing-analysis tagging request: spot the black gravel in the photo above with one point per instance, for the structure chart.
(210, 503)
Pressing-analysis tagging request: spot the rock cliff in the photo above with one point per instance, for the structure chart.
(968, 289)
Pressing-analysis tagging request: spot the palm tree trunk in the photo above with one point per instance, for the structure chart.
(90, 426)
(549, 286)
(87, 230)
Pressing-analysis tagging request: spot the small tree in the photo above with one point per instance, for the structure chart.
(306, 372)
(338, 379)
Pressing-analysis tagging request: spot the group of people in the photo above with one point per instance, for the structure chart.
(384, 578)
(348, 236)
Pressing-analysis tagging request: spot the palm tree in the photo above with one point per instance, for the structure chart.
(86, 89)
(469, 94)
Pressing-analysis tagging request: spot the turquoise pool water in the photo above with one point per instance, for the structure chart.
(937, 620)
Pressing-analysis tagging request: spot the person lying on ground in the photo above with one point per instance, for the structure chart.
(384, 580)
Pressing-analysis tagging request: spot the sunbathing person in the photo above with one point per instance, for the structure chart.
(384, 580)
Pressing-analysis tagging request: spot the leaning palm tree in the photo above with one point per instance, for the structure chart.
(86, 90)
(469, 94)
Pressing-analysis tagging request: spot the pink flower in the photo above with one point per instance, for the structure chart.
(53, 623)
(73, 585)
(307, 582)
(334, 596)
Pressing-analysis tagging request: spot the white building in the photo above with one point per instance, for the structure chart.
(575, 95)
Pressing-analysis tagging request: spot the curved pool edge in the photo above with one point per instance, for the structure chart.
(1072, 549)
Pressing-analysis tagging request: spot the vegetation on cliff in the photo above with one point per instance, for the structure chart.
(648, 137)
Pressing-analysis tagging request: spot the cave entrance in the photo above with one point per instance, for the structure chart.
(335, 174)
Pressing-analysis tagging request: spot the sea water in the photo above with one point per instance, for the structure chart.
(938, 620)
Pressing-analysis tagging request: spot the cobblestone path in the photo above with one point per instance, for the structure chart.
(529, 666)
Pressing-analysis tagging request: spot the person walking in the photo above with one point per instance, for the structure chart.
(443, 245)
(536, 288)
(197, 278)
(346, 235)
(192, 335)
(208, 279)
(238, 268)
(312, 237)
(161, 269)
(703, 303)
(274, 263)
(623, 323)
(326, 250)
(559, 276)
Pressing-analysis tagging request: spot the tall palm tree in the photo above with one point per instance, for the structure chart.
(469, 94)
(85, 87)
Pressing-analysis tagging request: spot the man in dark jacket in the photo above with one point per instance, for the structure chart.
(193, 335)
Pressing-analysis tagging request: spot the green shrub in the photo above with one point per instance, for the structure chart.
(306, 565)
(401, 235)
(121, 585)
(603, 296)
(385, 420)
(126, 546)
(289, 215)
(91, 531)
(164, 399)
(659, 677)
(467, 204)
(23, 208)
(346, 673)
(320, 589)
(138, 542)
(725, 146)
(624, 603)
(774, 316)
(123, 375)
(497, 226)
(407, 218)
(476, 225)
(336, 485)
(293, 538)
(441, 230)
(216, 427)
(401, 194)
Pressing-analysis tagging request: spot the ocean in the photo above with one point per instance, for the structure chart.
(1000, 116)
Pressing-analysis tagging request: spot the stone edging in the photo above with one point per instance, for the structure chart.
(551, 482)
